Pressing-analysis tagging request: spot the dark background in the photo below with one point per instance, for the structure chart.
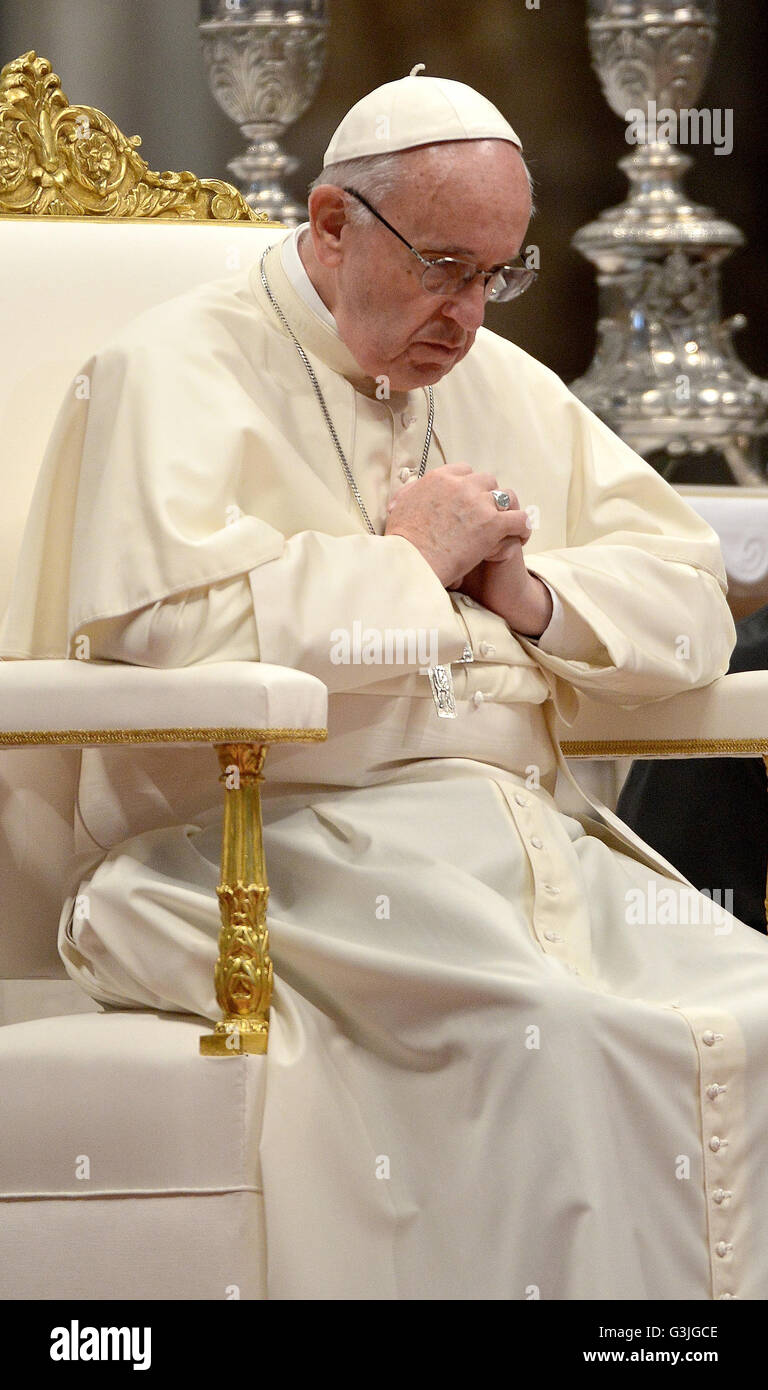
(140, 61)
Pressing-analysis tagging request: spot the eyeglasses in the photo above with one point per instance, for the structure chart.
(449, 274)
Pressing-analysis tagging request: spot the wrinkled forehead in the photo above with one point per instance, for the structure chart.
(483, 170)
(462, 191)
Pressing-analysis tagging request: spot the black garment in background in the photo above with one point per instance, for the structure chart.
(707, 816)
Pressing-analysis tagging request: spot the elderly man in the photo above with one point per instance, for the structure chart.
(496, 1070)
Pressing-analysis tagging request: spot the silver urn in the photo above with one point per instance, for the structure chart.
(666, 375)
(264, 62)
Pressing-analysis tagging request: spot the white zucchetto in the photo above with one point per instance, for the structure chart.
(416, 111)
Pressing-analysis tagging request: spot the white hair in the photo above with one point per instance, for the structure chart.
(375, 175)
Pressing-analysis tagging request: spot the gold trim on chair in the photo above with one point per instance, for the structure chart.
(664, 747)
(86, 737)
(58, 160)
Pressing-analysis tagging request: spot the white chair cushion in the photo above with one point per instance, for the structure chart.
(733, 709)
(40, 696)
(172, 1205)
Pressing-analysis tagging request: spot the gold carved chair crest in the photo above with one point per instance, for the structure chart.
(59, 160)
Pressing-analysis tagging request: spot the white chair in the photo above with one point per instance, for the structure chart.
(129, 1163)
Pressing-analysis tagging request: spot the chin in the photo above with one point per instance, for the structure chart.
(419, 374)
(416, 378)
(428, 365)
(424, 377)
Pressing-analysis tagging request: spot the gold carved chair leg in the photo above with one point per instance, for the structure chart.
(243, 970)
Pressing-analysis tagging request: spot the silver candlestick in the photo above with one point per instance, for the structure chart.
(666, 376)
(264, 59)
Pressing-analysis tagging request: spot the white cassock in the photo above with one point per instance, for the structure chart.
(488, 1077)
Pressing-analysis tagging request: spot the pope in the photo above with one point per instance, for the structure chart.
(487, 1076)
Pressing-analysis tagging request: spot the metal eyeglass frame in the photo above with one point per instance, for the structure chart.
(524, 277)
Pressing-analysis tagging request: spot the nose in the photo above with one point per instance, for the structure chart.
(467, 306)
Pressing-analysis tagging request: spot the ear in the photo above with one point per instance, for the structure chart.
(327, 218)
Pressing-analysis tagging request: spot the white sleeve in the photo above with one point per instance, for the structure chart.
(292, 610)
(215, 623)
(312, 600)
(566, 635)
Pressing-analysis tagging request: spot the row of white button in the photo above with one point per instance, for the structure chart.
(720, 1195)
(536, 841)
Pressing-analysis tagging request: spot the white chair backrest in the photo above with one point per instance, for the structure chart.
(66, 286)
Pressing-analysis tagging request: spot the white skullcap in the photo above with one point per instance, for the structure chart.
(416, 111)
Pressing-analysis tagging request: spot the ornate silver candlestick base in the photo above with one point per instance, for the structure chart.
(666, 375)
(264, 61)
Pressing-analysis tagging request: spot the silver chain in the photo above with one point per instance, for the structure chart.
(326, 414)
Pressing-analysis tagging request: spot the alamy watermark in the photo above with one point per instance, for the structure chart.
(677, 905)
(689, 126)
(388, 646)
(76, 1343)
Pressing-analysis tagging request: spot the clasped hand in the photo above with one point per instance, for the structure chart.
(453, 521)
